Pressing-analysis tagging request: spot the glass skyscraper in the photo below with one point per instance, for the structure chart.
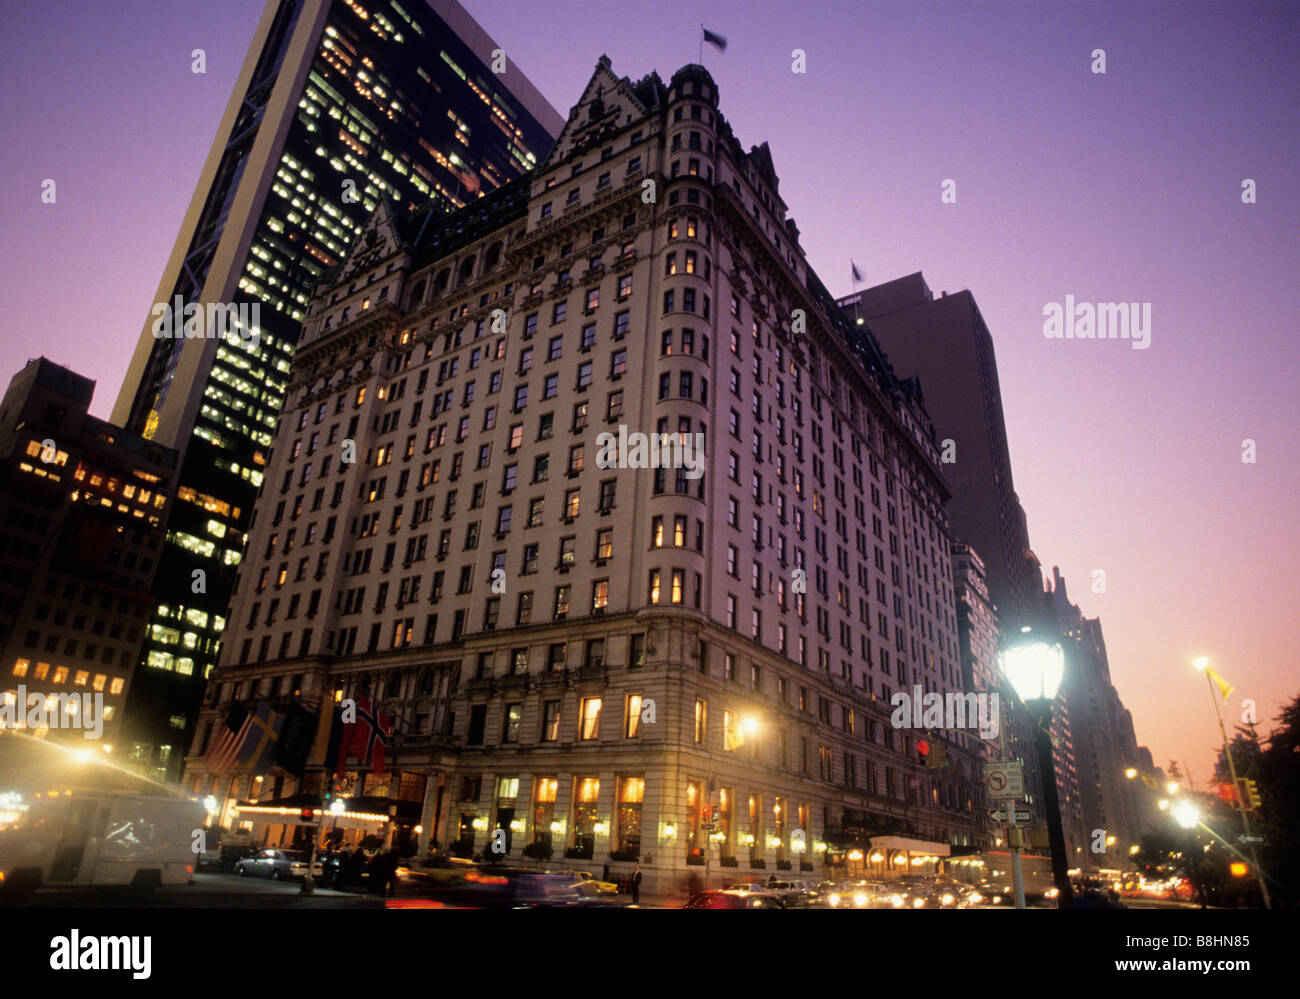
(339, 104)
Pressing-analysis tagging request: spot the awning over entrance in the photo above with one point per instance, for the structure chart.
(358, 813)
(910, 845)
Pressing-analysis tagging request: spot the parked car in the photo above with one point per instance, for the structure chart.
(277, 865)
(729, 899)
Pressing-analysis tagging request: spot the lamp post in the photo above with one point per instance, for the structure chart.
(1035, 669)
(1202, 663)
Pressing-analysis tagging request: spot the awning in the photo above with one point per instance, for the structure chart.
(909, 845)
(358, 813)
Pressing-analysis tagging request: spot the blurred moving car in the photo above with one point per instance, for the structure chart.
(589, 884)
(861, 895)
(731, 899)
(793, 894)
(276, 865)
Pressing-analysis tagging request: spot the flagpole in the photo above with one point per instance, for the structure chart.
(700, 60)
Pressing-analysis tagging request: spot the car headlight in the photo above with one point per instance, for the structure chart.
(834, 900)
(918, 903)
(898, 901)
(947, 900)
(976, 897)
(1051, 893)
(860, 900)
(997, 899)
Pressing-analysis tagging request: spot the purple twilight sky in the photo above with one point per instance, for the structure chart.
(1117, 187)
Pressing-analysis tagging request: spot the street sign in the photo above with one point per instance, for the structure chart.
(1000, 815)
(1004, 780)
(708, 827)
(1250, 839)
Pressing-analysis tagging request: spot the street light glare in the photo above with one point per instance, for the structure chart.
(1187, 813)
(1034, 669)
(1202, 663)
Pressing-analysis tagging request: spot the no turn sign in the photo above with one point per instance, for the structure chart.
(1004, 780)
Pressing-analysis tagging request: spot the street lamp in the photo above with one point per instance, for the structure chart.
(1035, 670)
(1186, 813)
(1212, 679)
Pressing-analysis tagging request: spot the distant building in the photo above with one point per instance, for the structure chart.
(1101, 736)
(572, 643)
(946, 344)
(82, 506)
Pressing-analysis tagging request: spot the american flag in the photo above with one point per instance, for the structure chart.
(221, 757)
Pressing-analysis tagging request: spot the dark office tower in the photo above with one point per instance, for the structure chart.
(337, 105)
(82, 505)
(946, 343)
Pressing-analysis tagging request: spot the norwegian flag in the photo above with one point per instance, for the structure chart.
(370, 735)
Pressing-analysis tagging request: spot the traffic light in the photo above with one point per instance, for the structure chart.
(923, 748)
(1250, 795)
(939, 757)
(1227, 793)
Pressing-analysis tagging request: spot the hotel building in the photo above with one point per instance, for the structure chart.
(607, 661)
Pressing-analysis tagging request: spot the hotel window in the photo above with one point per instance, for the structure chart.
(571, 498)
(654, 586)
(758, 846)
(559, 312)
(614, 405)
(679, 583)
(550, 721)
(589, 719)
(510, 727)
(631, 792)
(524, 614)
(599, 595)
(624, 290)
(544, 792)
(632, 721)
(561, 601)
(586, 795)
(568, 551)
(605, 543)
(556, 655)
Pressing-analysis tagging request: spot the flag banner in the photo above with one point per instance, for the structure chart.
(715, 40)
(328, 750)
(258, 750)
(369, 735)
(297, 738)
(857, 274)
(1225, 688)
(225, 745)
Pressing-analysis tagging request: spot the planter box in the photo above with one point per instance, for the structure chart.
(728, 862)
(758, 865)
(784, 865)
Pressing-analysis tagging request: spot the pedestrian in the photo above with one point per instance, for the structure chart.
(636, 885)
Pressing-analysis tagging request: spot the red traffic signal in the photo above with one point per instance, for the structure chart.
(1227, 792)
(306, 814)
(922, 747)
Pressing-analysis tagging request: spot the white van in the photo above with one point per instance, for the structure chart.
(100, 839)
